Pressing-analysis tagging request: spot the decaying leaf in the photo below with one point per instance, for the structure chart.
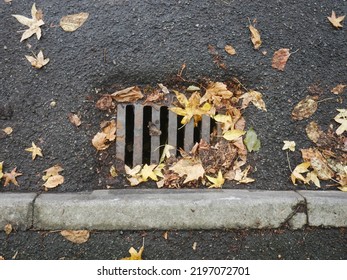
(341, 118)
(255, 97)
(215, 93)
(76, 236)
(34, 150)
(8, 130)
(336, 21)
(298, 171)
(313, 131)
(105, 102)
(318, 163)
(251, 140)
(241, 176)
(33, 23)
(342, 179)
(289, 145)
(70, 23)
(216, 182)
(113, 171)
(74, 119)
(39, 61)
(230, 49)
(135, 255)
(280, 59)
(164, 89)
(130, 94)
(103, 139)
(1, 166)
(52, 177)
(11, 177)
(8, 229)
(190, 167)
(305, 108)
(255, 37)
(313, 177)
(339, 89)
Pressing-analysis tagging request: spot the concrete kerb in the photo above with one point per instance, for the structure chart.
(134, 209)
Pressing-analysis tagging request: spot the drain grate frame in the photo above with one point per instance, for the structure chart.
(140, 138)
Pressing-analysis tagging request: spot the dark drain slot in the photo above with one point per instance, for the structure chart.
(143, 131)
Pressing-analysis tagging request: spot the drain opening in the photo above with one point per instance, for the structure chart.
(143, 131)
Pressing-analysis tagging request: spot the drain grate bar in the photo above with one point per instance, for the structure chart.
(155, 139)
(172, 131)
(189, 135)
(120, 140)
(205, 128)
(138, 132)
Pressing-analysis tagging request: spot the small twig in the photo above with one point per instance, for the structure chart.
(326, 99)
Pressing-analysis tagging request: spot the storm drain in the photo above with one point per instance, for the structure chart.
(143, 131)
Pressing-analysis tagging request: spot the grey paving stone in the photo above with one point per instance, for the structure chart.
(16, 209)
(298, 221)
(165, 209)
(326, 208)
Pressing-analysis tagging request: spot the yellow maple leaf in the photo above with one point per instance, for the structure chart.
(147, 171)
(297, 172)
(341, 118)
(216, 93)
(216, 182)
(166, 152)
(135, 255)
(191, 108)
(336, 21)
(289, 145)
(34, 150)
(33, 23)
(37, 61)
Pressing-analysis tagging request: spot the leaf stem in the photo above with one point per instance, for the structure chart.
(290, 168)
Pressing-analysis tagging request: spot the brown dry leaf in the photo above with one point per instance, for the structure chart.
(105, 103)
(255, 37)
(190, 167)
(341, 118)
(39, 61)
(2, 258)
(230, 49)
(52, 177)
(336, 21)
(217, 59)
(74, 119)
(33, 23)
(305, 108)
(1, 166)
(338, 89)
(8, 229)
(34, 150)
(314, 132)
(11, 177)
(215, 93)
(101, 140)
(70, 23)
(318, 163)
(155, 96)
(280, 58)
(8, 130)
(255, 97)
(130, 94)
(166, 235)
(298, 171)
(76, 236)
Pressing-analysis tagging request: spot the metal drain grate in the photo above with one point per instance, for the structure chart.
(142, 132)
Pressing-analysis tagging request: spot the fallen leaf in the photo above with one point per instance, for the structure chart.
(1, 166)
(105, 103)
(8, 229)
(74, 119)
(230, 49)
(70, 23)
(192, 88)
(147, 171)
(194, 246)
(164, 89)
(34, 150)
(215, 93)
(130, 94)
(318, 163)
(166, 235)
(289, 145)
(251, 140)
(216, 182)
(241, 176)
(33, 23)
(39, 61)
(255, 97)
(103, 139)
(113, 171)
(336, 21)
(100, 141)
(342, 180)
(338, 89)
(190, 167)
(166, 152)
(280, 59)
(11, 177)
(135, 255)
(52, 177)
(298, 171)
(341, 118)
(234, 134)
(76, 236)
(8, 130)
(2, 258)
(313, 177)
(132, 172)
(255, 37)
(305, 108)
(313, 131)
